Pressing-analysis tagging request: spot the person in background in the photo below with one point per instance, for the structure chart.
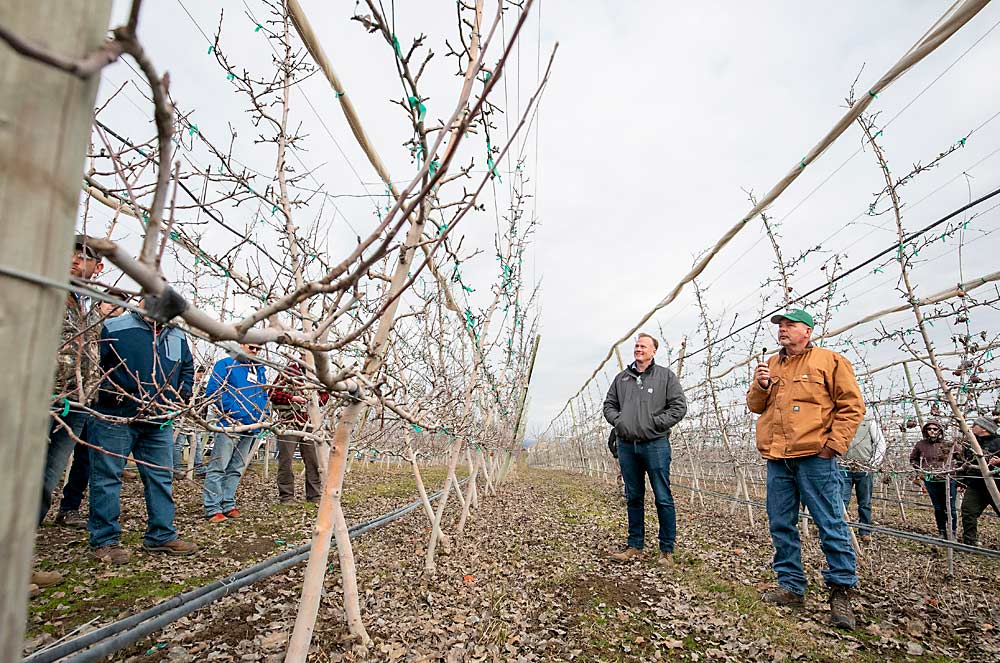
(149, 374)
(977, 496)
(75, 382)
(643, 403)
(195, 437)
(866, 451)
(292, 408)
(810, 407)
(237, 389)
(930, 456)
(78, 478)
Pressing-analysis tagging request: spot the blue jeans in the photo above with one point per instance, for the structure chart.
(230, 457)
(148, 443)
(57, 455)
(936, 491)
(861, 484)
(815, 482)
(195, 446)
(79, 476)
(637, 460)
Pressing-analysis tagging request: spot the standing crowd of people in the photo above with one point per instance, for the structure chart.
(819, 449)
(120, 380)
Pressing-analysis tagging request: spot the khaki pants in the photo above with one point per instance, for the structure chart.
(286, 477)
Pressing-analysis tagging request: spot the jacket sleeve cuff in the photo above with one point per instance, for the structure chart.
(836, 446)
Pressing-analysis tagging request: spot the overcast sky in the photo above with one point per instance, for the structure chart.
(657, 117)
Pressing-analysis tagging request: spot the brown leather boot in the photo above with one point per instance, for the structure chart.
(782, 596)
(71, 519)
(666, 560)
(175, 547)
(841, 613)
(627, 555)
(112, 554)
(45, 578)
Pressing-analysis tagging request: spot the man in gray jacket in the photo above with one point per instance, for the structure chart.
(644, 402)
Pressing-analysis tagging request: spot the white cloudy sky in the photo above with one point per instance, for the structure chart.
(657, 116)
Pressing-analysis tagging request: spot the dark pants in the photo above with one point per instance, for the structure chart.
(936, 491)
(61, 445)
(79, 476)
(859, 483)
(286, 477)
(977, 499)
(639, 460)
(815, 482)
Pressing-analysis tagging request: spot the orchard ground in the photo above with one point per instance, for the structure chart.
(530, 581)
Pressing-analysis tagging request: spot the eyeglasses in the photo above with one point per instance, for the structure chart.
(933, 428)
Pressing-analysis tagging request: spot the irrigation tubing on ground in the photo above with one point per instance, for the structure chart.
(889, 531)
(117, 635)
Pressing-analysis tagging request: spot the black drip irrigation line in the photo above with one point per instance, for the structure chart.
(854, 269)
(117, 635)
(889, 531)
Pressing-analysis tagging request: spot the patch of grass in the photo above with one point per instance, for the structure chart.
(109, 597)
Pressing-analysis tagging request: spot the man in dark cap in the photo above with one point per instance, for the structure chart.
(77, 370)
(977, 496)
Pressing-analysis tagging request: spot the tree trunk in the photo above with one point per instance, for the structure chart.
(429, 565)
(45, 118)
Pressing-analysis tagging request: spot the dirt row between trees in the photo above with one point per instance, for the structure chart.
(531, 582)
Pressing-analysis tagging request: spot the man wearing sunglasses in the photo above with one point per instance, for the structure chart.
(810, 407)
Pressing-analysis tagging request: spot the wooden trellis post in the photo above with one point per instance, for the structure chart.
(45, 118)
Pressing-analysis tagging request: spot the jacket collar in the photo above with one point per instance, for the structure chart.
(632, 368)
(783, 353)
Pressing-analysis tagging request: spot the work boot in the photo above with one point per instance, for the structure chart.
(233, 513)
(841, 614)
(782, 596)
(175, 547)
(112, 554)
(71, 519)
(216, 518)
(666, 560)
(45, 578)
(626, 555)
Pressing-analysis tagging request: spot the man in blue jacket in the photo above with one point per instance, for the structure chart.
(237, 386)
(148, 374)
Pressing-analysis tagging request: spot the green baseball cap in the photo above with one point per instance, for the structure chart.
(795, 315)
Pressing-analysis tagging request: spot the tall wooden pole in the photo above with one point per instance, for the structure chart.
(45, 118)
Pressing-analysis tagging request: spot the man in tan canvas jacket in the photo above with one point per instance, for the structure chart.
(810, 406)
